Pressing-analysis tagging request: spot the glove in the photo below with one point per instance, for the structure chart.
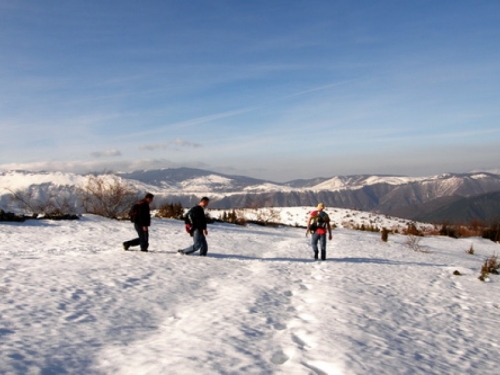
(188, 228)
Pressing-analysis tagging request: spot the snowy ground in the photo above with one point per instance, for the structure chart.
(73, 302)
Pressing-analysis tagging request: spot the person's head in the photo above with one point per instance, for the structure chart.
(204, 202)
(149, 197)
(320, 207)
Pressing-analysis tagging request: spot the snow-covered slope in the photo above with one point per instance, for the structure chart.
(358, 182)
(73, 302)
(393, 195)
(340, 217)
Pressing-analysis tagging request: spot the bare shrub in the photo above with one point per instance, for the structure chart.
(171, 210)
(432, 231)
(492, 232)
(411, 229)
(413, 242)
(268, 216)
(107, 195)
(31, 202)
(471, 250)
(490, 266)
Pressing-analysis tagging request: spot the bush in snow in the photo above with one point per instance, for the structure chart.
(34, 202)
(413, 242)
(412, 230)
(490, 266)
(108, 196)
(171, 210)
(471, 250)
(492, 232)
(10, 216)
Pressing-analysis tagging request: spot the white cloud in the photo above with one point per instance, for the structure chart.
(78, 166)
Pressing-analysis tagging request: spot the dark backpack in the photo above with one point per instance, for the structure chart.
(133, 212)
(188, 218)
(319, 221)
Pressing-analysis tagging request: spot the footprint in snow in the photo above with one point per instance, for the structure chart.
(279, 326)
(301, 341)
(279, 357)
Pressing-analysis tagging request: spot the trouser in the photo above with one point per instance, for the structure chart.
(322, 241)
(199, 243)
(142, 240)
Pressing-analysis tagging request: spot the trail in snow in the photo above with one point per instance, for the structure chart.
(73, 302)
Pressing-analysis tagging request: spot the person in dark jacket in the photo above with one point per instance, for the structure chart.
(141, 218)
(196, 226)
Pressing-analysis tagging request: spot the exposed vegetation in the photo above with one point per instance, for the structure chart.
(385, 234)
(490, 266)
(108, 196)
(33, 203)
(170, 210)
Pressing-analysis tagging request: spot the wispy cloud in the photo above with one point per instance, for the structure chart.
(320, 88)
(204, 119)
(187, 123)
(175, 144)
(106, 154)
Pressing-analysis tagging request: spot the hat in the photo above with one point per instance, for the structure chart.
(320, 206)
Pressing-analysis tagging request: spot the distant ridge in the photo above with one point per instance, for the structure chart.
(448, 196)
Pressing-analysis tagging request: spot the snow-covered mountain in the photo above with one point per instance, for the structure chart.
(393, 195)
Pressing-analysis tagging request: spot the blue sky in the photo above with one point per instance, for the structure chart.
(270, 89)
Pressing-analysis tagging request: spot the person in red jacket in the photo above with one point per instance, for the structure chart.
(319, 224)
(141, 217)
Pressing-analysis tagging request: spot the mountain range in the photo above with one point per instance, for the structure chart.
(452, 197)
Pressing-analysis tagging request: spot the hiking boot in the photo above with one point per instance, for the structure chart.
(125, 246)
(145, 250)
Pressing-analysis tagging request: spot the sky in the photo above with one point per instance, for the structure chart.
(278, 90)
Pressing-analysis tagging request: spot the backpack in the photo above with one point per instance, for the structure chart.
(319, 221)
(188, 218)
(133, 212)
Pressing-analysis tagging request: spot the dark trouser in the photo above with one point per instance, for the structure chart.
(199, 243)
(322, 241)
(143, 239)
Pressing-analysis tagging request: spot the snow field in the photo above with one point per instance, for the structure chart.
(72, 301)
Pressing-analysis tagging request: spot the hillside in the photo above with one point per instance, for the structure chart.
(408, 197)
(74, 302)
(483, 207)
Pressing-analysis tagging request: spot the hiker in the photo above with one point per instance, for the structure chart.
(196, 225)
(141, 217)
(318, 224)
